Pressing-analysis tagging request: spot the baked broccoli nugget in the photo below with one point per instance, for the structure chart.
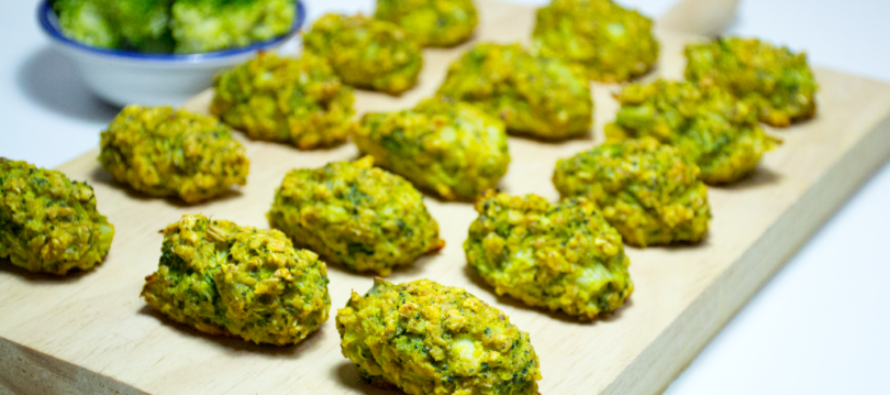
(355, 215)
(211, 25)
(49, 223)
(225, 279)
(366, 53)
(426, 338)
(453, 149)
(432, 23)
(611, 43)
(776, 81)
(563, 257)
(165, 152)
(535, 96)
(296, 101)
(648, 191)
(707, 124)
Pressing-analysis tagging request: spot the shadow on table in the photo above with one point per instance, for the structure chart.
(348, 375)
(52, 80)
(234, 344)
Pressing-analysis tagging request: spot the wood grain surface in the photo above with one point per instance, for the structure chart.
(91, 333)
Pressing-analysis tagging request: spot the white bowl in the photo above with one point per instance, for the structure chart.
(129, 77)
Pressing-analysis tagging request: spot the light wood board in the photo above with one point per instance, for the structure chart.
(92, 334)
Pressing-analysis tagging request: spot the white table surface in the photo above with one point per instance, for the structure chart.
(820, 326)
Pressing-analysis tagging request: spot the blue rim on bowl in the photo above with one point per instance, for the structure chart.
(50, 24)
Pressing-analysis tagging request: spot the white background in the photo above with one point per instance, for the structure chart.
(821, 326)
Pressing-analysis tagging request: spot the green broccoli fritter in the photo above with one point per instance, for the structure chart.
(140, 25)
(165, 152)
(563, 257)
(211, 25)
(776, 81)
(611, 43)
(426, 338)
(181, 26)
(453, 149)
(366, 53)
(535, 96)
(224, 279)
(432, 23)
(49, 223)
(648, 191)
(355, 215)
(708, 124)
(297, 101)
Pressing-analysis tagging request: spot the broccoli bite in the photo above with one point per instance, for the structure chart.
(366, 53)
(707, 124)
(648, 191)
(297, 101)
(776, 81)
(49, 223)
(431, 23)
(164, 152)
(450, 148)
(225, 279)
(610, 43)
(538, 97)
(212, 25)
(140, 25)
(426, 338)
(562, 257)
(355, 215)
(181, 26)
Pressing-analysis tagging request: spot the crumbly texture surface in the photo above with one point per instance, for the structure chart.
(296, 101)
(450, 148)
(777, 82)
(562, 257)
(164, 152)
(225, 279)
(355, 215)
(432, 23)
(180, 26)
(611, 43)
(648, 191)
(539, 97)
(707, 124)
(366, 53)
(426, 338)
(49, 223)
(212, 25)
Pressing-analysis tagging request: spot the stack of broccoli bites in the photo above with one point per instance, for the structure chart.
(611, 43)
(181, 26)
(366, 53)
(355, 215)
(535, 96)
(707, 124)
(224, 279)
(563, 257)
(453, 149)
(298, 101)
(49, 223)
(776, 81)
(648, 191)
(165, 152)
(426, 338)
(431, 23)
(210, 25)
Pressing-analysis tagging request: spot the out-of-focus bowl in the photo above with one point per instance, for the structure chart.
(129, 77)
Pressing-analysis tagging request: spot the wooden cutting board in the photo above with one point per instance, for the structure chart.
(92, 334)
